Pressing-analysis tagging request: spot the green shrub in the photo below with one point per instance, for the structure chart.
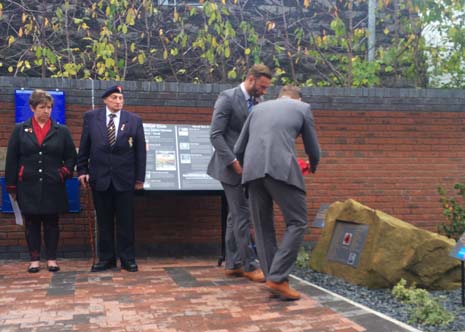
(423, 308)
(303, 258)
(453, 211)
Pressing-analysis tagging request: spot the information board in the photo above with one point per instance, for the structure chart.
(319, 221)
(23, 110)
(177, 157)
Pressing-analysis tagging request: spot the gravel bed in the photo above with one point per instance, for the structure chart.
(382, 301)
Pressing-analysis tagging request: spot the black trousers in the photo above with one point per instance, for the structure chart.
(33, 224)
(115, 207)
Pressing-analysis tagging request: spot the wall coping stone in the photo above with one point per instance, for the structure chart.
(79, 92)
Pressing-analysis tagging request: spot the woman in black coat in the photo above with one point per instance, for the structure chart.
(41, 155)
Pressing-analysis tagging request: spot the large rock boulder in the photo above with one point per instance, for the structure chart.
(371, 248)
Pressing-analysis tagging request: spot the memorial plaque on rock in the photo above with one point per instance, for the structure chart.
(319, 221)
(458, 251)
(347, 242)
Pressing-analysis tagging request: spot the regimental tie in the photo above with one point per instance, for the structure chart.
(250, 103)
(111, 130)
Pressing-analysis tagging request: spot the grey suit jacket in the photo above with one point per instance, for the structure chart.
(229, 115)
(266, 144)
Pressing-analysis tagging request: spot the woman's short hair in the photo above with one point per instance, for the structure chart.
(39, 96)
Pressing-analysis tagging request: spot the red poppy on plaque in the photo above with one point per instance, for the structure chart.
(347, 239)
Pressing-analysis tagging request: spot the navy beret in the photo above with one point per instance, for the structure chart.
(112, 89)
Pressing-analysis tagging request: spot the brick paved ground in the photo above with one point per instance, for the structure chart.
(165, 295)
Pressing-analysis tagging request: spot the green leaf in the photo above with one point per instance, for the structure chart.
(232, 74)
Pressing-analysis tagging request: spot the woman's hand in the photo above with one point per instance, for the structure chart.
(84, 180)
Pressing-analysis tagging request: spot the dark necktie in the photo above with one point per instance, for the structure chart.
(250, 103)
(111, 130)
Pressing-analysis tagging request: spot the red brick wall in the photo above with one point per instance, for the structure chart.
(391, 161)
(388, 156)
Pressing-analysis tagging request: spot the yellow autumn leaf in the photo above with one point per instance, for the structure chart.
(131, 16)
(247, 51)
(11, 40)
(270, 25)
(23, 18)
(214, 43)
(46, 22)
(175, 15)
(141, 58)
(20, 32)
(306, 3)
(160, 32)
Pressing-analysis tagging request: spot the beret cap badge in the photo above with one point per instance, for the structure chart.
(112, 89)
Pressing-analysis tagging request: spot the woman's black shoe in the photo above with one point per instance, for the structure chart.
(53, 268)
(32, 269)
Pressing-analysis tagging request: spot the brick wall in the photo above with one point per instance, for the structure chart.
(387, 148)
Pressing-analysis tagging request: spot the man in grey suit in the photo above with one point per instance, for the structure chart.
(271, 172)
(230, 112)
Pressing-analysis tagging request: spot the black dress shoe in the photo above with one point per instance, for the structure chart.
(129, 266)
(53, 268)
(103, 265)
(31, 269)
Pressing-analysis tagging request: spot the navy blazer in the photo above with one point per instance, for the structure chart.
(122, 164)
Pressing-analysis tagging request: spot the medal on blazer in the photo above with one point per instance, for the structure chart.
(122, 127)
(130, 141)
(28, 130)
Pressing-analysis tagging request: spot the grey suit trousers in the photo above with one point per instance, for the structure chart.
(277, 261)
(239, 252)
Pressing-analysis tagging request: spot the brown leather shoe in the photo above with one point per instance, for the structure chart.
(234, 272)
(255, 275)
(283, 290)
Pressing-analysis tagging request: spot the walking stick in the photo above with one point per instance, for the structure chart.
(91, 224)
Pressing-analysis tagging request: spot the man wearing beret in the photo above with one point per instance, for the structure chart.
(111, 159)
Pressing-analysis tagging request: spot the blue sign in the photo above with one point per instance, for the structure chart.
(6, 204)
(72, 189)
(458, 251)
(23, 110)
